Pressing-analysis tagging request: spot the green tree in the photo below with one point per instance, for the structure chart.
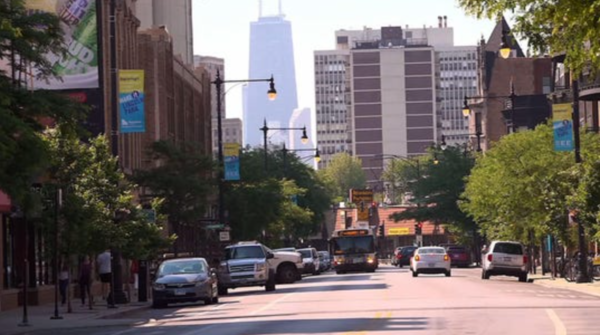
(522, 185)
(23, 152)
(554, 27)
(343, 173)
(288, 201)
(184, 179)
(436, 185)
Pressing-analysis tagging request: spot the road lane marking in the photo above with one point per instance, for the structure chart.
(267, 306)
(559, 327)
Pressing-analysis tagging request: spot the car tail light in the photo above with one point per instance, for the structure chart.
(446, 258)
(524, 259)
(490, 256)
(398, 256)
(417, 258)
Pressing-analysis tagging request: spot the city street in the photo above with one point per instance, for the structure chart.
(389, 301)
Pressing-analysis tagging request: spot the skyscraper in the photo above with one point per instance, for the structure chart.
(271, 53)
(301, 117)
(176, 16)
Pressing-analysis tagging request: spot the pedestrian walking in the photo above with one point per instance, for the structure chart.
(63, 282)
(104, 270)
(85, 280)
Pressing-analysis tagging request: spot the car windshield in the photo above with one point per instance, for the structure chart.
(254, 251)
(432, 251)
(508, 248)
(181, 267)
(409, 250)
(305, 253)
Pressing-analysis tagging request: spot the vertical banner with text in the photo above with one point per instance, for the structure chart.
(562, 119)
(78, 67)
(131, 101)
(232, 161)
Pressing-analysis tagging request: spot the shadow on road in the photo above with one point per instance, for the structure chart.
(304, 326)
(306, 289)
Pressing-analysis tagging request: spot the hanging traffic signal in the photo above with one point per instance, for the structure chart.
(418, 228)
(382, 230)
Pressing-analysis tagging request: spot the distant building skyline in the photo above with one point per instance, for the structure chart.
(271, 54)
(301, 117)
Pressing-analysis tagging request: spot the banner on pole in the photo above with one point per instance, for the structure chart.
(78, 67)
(232, 161)
(562, 119)
(131, 101)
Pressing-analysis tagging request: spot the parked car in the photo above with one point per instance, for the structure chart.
(460, 256)
(288, 265)
(505, 258)
(430, 260)
(324, 261)
(184, 280)
(246, 264)
(310, 258)
(404, 254)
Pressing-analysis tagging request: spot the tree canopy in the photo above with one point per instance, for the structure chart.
(522, 185)
(343, 173)
(555, 27)
(23, 151)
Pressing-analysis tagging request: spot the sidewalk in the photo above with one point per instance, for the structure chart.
(99, 316)
(560, 283)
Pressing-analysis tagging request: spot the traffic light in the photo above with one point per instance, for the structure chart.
(382, 230)
(418, 228)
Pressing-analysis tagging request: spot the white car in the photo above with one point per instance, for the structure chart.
(430, 260)
(504, 258)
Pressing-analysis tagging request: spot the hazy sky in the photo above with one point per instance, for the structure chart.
(222, 29)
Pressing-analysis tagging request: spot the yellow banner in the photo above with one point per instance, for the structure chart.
(231, 149)
(398, 231)
(131, 100)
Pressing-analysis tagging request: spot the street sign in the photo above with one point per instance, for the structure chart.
(357, 196)
(215, 226)
(224, 236)
(363, 200)
(398, 231)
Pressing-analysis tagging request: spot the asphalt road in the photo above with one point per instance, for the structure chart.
(389, 301)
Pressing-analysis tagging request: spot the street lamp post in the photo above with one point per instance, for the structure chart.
(317, 156)
(218, 82)
(265, 129)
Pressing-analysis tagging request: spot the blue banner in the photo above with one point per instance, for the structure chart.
(232, 161)
(562, 119)
(131, 101)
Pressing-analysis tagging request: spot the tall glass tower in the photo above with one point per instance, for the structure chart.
(271, 53)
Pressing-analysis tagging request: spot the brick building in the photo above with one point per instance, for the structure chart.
(492, 112)
(178, 109)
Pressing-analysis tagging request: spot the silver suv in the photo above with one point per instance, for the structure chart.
(246, 264)
(504, 258)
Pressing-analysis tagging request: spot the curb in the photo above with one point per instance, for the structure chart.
(548, 283)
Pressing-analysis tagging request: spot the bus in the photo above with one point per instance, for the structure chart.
(353, 249)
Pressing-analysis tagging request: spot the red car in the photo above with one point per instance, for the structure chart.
(459, 256)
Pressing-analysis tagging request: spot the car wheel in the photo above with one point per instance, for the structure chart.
(287, 274)
(207, 301)
(523, 278)
(415, 274)
(159, 304)
(222, 290)
(485, 274)
(215, 300)
(339, 272)
(448, 274)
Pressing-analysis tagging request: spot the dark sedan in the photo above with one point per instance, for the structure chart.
(184, 280)
(403, 256)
